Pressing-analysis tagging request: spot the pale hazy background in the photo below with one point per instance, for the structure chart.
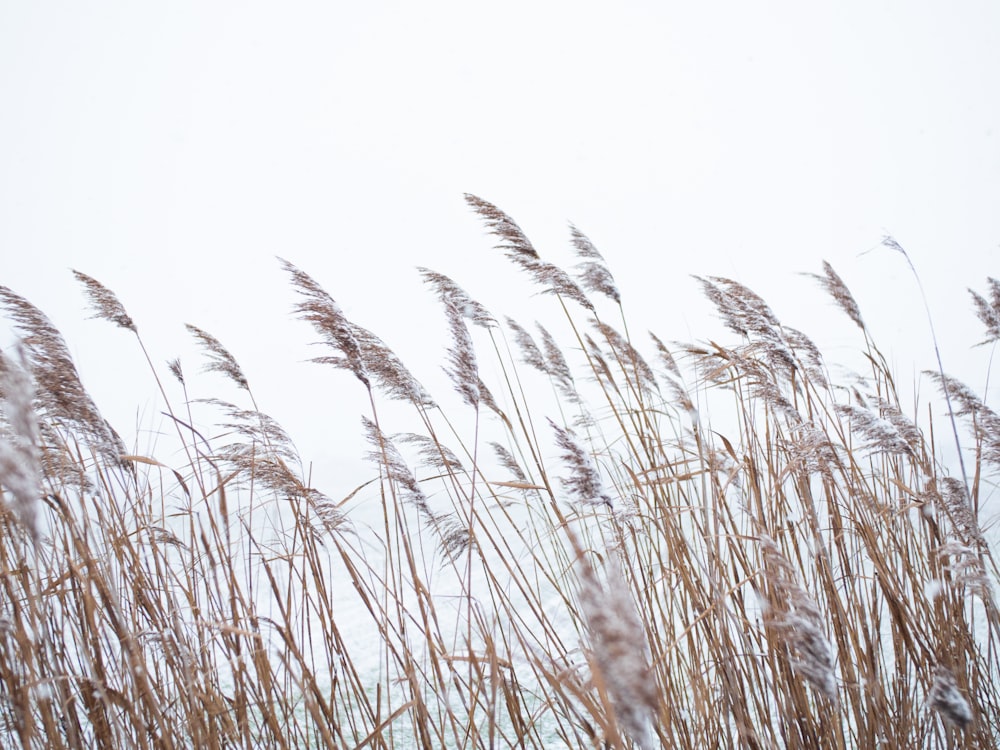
(173, 149)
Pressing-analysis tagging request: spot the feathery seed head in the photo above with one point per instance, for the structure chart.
(463, 367)
(105, 303)
(947, 700)
(512, 239)
(880, 432)
(620, 649)
(990, 317)
(388, 370)
(520, 250)
(795, 614)
(318, 308)
(174, 365)
(836, 288)
(20, 461)
(594, 274)
(59, 395)
(450, 292)
(507, 460)
(385, 454)
(219, 358)
(584, 482)
(530, 353)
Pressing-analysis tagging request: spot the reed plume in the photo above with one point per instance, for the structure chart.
(530, 353)
(556, 367)
(620, 651)
(795, 616)
(593, 271)
(947, 700)
(449, 292)
(385, 454)
(453, 536)
(985, 421)
(880, 432)
(60, 397)
(105, 303)
(988, 311)
(836, 288)
(20, 460)
(174, 366)
(320, 310)
(390, 374)
(463, 368)
(520, 251)
(584, 483)
(219, 358)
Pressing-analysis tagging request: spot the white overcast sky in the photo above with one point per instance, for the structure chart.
(173, 149)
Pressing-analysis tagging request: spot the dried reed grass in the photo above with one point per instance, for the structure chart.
(738, 551)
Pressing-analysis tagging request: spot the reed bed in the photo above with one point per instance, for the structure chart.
(595, 541)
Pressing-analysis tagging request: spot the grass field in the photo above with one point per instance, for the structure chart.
(602, 541)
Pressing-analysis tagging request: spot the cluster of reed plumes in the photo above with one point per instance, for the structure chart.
(717, 546)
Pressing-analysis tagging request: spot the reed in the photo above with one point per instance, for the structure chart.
(717, 546)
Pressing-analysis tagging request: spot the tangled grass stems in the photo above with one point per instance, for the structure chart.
(727, 547)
